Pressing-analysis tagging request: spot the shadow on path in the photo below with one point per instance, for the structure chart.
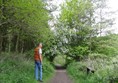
(60, 67)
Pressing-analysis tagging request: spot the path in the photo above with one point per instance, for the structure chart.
(60, 77)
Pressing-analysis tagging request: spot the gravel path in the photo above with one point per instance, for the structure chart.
(60, 77)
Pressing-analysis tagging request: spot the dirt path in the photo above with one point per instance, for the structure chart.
(61, 77)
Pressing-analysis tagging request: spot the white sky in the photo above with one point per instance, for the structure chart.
(113, 4)
(114, 7)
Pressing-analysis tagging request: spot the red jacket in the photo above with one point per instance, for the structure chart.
(37, 57)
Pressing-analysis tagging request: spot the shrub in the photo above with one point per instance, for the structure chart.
(19, 69)
(77, 70)
(105, 70)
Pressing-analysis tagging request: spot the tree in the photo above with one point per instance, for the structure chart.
(75, 20)
(78, 20)
(23, 24)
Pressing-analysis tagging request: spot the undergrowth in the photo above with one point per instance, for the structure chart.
(17, 68)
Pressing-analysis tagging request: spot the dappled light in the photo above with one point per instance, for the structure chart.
(60, 60)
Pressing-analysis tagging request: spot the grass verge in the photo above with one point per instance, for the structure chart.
(103, 74)
(19, 69)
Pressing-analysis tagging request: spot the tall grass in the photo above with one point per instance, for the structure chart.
(19, 69)
(103, 74)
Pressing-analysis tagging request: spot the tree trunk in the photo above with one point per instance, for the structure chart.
(22, 47)
(17, 44)
(1, 42)
(9, 42)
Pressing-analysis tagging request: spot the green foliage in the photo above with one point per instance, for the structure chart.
(73, 11)
(60, 60)
(75, 17)
(48, 69)
(19, 69)
(29, 53)
(79, 51)
(107, 75)
(107, 50)
(80, 23)
(106, 45)
(24, 25)
(105, 70)
(77, 70)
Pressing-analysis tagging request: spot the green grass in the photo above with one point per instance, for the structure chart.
(78, 71)
(19, 69)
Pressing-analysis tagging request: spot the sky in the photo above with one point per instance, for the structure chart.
(112, 4)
